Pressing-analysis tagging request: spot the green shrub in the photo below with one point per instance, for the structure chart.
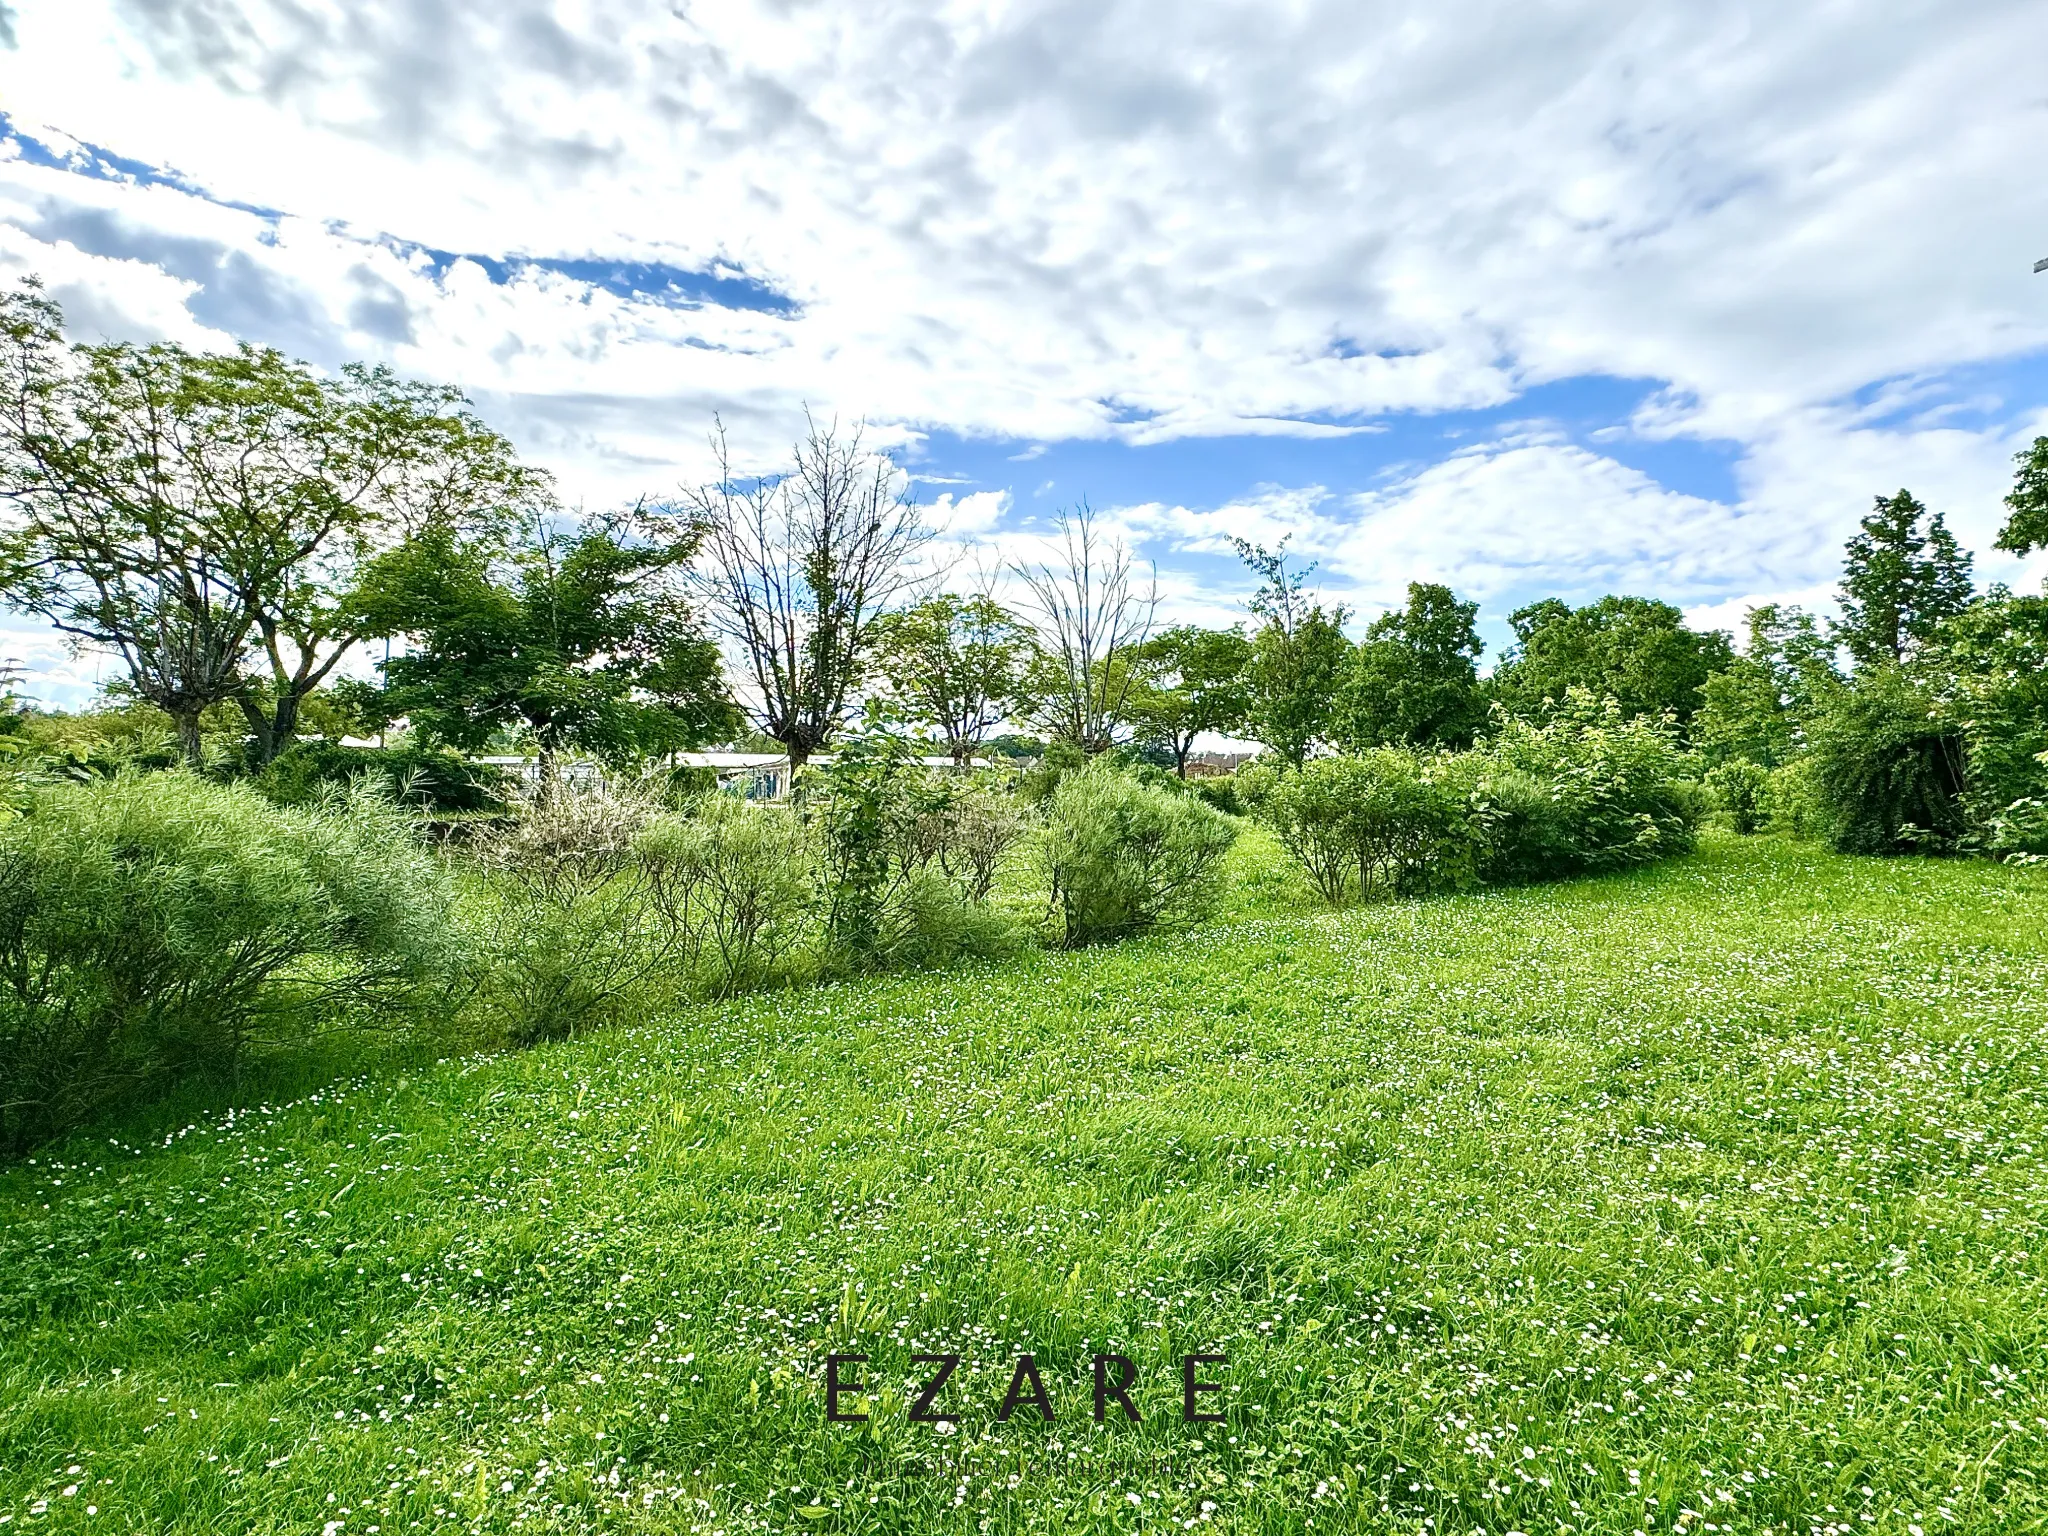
(575, 933)
(906, 854)
(1887, 770)
(435, 779)
(738, 880)
(1996, 655)
(1220, 792)
(1581, 791)
(1369, 824)
(1791, 800)
(1121, 857)
(153, 928)
(1739, 788)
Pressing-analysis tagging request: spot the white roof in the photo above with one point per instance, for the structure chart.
(733, 759)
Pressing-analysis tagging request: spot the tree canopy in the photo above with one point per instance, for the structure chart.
(1414, 679)
(1298, 658)
(956, 664)
(206, 516)
(1904, 574)
(1189, 681)
(1634, 650)
(579, 635)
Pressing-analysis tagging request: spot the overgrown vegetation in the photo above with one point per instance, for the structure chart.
(1716, 1173)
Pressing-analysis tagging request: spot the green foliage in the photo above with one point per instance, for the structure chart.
(1758, 708)
(1903, 575)
(1059, 759)
(1188, 681)
(1740, 789)
(1414, 679)
(905, 852)
(1992, 664)
(1221, 791)
(153, 928)
(1122, 857)
(575, 931)
(1298, 661)
(956, 664)
(1634, 650)
(1589, 788)
(206, 517)
(2026, 529)
(1371, 824)
(431, 778)
(1888, 769)
(580, 636)
(739, 881)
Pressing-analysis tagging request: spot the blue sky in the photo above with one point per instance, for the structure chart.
(1533, 300)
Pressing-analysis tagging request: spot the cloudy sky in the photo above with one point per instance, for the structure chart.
(1533, 298)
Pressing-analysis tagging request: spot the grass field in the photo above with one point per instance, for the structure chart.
(1706, 1198)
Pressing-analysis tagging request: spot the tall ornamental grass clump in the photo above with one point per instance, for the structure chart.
(155, 928)
(738, 882)
(1120, 857)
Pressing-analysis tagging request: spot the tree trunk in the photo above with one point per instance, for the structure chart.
(187, 722)
(1180, 756)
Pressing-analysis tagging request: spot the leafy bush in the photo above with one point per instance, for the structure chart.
(1996, 655)
(1120, 857)
(1739, 789)
(904, 851)
(159, 927)
(1369, 824)
(434, 779)
(1887, 769)
(1581, 791)
(1222, 793)
(739, 880)
(576, 930)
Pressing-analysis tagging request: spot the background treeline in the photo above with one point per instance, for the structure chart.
(201, 875)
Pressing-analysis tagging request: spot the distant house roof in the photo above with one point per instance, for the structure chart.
(732, 759)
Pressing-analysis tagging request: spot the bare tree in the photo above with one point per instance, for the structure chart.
(1091, 615)
(796, 569)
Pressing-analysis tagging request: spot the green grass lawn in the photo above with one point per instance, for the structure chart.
(1706, 1198)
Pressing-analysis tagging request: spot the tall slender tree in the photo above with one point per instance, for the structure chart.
(1299, 655)
(1092, 611)
(1903, 575)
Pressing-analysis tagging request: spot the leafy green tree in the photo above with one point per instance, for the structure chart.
(2026, 529)
(957, 663)
(1299, 655)
(1414, 679)
(1903, 575)
(1757, 709)
(206, 516)
(582, 636)
(1189, 680)
(1634, 650)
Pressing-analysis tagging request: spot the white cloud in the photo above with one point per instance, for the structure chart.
(1142, 222)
